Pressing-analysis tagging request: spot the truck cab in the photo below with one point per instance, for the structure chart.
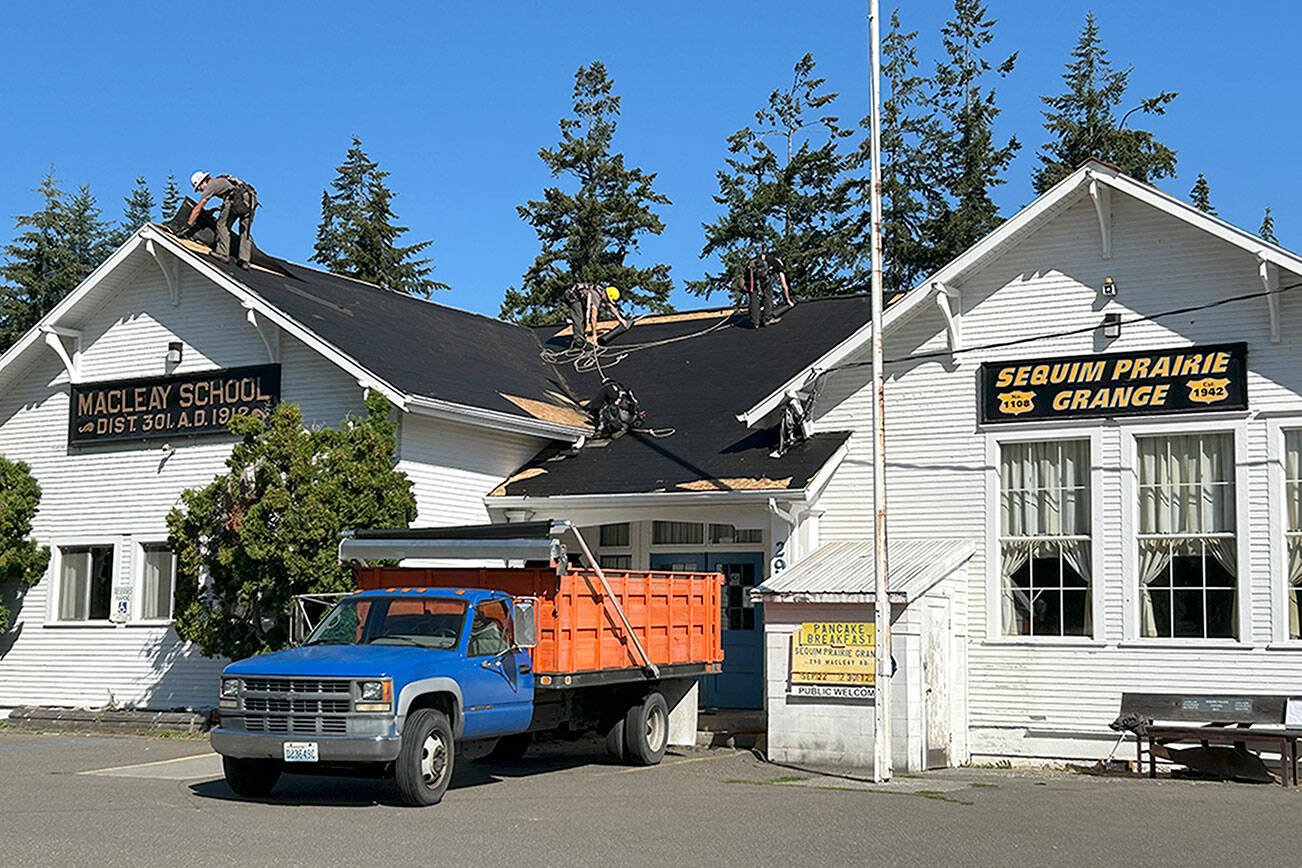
(388, 680)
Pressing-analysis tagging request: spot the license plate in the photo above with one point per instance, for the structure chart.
(300, 752)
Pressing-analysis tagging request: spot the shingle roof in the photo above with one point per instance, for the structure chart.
(691, 373)
(697, 384)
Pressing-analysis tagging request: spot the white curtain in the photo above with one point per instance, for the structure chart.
(1293, 504)
(75, 575)
(1045, 488)
(1186, 484)
(1014, 557)
(1077, 554)
(1154, 555)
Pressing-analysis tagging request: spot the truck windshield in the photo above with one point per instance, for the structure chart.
(427, 622)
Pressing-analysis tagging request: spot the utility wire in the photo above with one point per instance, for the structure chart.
(941, 354)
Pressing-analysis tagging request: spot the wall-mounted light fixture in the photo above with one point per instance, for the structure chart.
(1109, 287)
(1111, 325)
(174, 353)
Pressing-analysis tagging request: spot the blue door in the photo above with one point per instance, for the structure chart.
(497, 682)
(741, 683)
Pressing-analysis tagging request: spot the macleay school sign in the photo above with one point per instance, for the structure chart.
(180, 406)
(1119, 384)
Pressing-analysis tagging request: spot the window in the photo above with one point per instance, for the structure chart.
(1293, 528)
(85, 583)
(667, 533)
(1187, 552)
(614, 535)
(1044, 538)
(616, 562)
(158, 582)
(726, 535)
(490, 631)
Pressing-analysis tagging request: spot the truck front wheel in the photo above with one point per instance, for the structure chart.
(250, 777)
(646, 730)
(424, 767)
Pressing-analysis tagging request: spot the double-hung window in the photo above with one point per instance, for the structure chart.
(1044, 538)
(158, 582)
(85, 582)
(1187, 554)
(1293, 528)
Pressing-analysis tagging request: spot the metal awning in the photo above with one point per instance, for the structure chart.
(843, 571)
(527, 541)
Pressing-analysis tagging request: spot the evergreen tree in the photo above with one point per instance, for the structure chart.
(795, 199)
(137, 211)
(171, 198)
(357, 235)
(22, 561)
(39, 268)
(1201, 195)
(1084, 123)
(1267, 230)
(588, 235)
(268, 528)
(910, 139)
(969, 163)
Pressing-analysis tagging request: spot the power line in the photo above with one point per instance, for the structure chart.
(1070, 332)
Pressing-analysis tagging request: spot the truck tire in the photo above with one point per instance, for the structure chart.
(250, 777)
(512, 747)
(646, 730)
(615, 739)
(424, 766)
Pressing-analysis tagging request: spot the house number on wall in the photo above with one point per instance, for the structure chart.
(779, 562)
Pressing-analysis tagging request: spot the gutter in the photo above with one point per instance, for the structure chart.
(643, 498)
(419, 404)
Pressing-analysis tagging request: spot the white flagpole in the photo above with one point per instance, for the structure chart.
(881, 604)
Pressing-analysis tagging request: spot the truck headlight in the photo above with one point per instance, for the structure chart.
(375, 695)
(230, 693)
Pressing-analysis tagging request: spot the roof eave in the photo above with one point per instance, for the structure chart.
(435, 407)
(642, 498)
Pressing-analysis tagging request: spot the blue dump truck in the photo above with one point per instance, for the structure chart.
(422, 666)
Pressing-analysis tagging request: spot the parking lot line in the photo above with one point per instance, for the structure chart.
(178, 759)
(58, 744)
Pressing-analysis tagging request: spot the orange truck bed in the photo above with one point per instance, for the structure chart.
(676, 616)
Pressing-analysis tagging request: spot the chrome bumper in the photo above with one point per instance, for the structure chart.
(337, 748)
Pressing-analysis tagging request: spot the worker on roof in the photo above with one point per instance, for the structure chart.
(615, 411)
(585, 301)
(758, 284)
(239, 201)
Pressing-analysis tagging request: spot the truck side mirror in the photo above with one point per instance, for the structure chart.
(524, 621)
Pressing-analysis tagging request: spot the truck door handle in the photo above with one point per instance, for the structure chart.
(524, 668)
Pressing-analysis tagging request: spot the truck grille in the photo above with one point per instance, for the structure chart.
(296, 706)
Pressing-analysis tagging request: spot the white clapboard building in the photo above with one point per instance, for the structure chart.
(1094, 441)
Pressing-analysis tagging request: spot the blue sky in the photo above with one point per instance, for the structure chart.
(454, 99)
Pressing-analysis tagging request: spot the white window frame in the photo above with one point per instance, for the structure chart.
(138, 583)
(1166, 427)
(1277, 454)
(55, 577)
(994, 626)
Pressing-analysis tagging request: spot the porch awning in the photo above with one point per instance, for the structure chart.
(843, 572)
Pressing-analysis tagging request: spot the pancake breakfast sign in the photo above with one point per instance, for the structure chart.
(162, 407)
(1182, 380)
(834, 659)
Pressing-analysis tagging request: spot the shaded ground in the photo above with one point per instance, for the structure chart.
(98, 800)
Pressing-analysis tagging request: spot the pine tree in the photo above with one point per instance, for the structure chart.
(795, 199)
(1267, 230)
(910, 136)
(171, 198)
(969, 163)
(357, 235)
(1201, 195)
(589, 234)
(39, 268)
(87, 236)
(1084, 123)
(137, 211)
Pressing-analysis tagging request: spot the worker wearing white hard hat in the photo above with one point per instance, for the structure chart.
(239, 202)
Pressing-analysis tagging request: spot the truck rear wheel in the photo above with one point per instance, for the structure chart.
(250, 777)
(424, 766)
(646, 730)
(615, 738)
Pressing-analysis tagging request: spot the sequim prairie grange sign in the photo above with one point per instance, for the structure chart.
(1182, 380)
(180, 406)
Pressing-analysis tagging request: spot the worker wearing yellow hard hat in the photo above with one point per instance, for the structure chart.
(584, 301)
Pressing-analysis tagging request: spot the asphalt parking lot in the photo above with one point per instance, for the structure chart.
(68, 799)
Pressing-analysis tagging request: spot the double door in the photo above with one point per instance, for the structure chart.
(741, 683)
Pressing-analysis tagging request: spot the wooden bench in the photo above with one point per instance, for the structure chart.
(1163, 719)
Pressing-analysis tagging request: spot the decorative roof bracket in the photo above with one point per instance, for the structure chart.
(1269, 274)
(171, 268)
(1101, 195)
(268, 331)
(69, 354)
(950, 301)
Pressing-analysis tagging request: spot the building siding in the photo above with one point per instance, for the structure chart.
(122, 493)
(1046, 697)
